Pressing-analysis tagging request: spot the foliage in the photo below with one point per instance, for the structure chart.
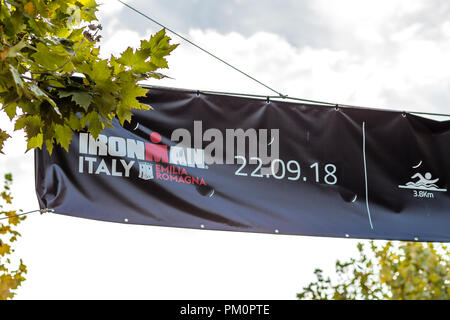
(406, 271)
(10, 280)
(43, 45)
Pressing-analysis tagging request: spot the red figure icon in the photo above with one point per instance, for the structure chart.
(155, 151)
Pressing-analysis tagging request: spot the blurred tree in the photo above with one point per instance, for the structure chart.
(10, 279)
(403, 271)
(43, 44)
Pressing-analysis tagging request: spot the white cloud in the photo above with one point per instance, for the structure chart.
(445, 29)
(119, 42)
(321, 74)
(109, 8)
(377, 55)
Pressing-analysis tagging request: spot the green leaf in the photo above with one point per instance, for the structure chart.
(101, 72)
(75, 15)
(156, 38)
(129, 93)
(35, 142)
(12, 52)
(8, 177)
(3, 137)
(83, 99)
(63, 135)
(17, 80)
(38, 93)
(47, 58)
(92, 121)
(49, 145)
(159, 62)
(74, 122)
(10, 110)
(31, 124)
(128, 58)
(88, 3)
(157, 75)
(9, 101)
(41, 95)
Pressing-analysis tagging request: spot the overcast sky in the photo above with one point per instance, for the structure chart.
(392, 54)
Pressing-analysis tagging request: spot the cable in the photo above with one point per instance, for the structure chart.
(204, 50)
(326, 104)
(25, 213)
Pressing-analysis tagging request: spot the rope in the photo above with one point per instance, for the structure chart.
(25, 213)
(198, 47)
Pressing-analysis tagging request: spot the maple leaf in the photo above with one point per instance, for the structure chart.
(129, 95)
(5, 249)
(31, 124)
(3, 137)
(81, 98)
(95, 124)
(63, 135)
(47, 58)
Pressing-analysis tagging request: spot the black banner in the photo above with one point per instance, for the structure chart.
(221, 162)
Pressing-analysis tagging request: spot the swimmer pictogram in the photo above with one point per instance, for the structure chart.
(423, 183)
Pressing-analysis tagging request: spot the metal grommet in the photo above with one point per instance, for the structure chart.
(347, 235)
(202, 226)
(268, 100)
(336, 107)
(404, 114)
(198, 93)
(46, 210)
(125, 220)
(277, 231)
